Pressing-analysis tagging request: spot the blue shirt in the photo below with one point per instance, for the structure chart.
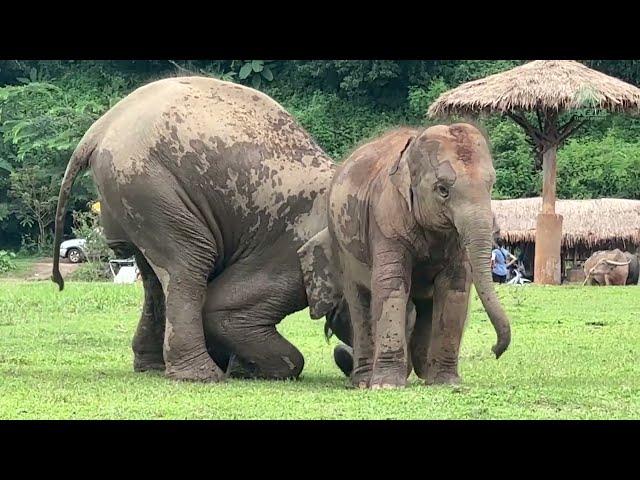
(500, 256)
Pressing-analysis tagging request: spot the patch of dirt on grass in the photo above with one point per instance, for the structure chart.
(41, 269)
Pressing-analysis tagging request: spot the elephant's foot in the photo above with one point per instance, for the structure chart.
(343, 356)
(443, 378)
(389, 380)
(389, 371)
(361, 378)
(144, 362)
(380, 378)
(199, 369)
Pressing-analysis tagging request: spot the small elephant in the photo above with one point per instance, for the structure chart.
(608, 267)
(410, 229)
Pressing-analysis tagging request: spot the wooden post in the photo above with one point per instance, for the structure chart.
(549, 180)
(548, 266)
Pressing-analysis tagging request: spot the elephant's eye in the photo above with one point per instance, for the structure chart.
(442, 191)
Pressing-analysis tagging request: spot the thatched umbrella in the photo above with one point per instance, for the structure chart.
(535, 95)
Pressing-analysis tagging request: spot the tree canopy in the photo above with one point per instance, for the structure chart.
(46, 106)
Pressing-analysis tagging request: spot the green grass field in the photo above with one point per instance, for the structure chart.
(575, 355)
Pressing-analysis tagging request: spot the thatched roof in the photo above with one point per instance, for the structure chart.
(542, 84)
(586, 222)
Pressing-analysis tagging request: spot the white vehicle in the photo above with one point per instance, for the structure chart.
(74, 250)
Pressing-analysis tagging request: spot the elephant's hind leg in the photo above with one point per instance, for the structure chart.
(178, 245)
(149, 336)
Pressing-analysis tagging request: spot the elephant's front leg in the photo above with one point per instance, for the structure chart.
(359, 300)
(390, 287)
(450, 309)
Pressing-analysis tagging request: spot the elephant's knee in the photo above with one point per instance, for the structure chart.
(291, 367)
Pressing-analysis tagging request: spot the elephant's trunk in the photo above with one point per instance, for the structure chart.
(476, 233)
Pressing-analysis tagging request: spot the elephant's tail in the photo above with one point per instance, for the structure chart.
(79, 161)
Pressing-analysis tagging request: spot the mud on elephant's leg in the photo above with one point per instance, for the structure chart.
(262, 354)
(149, 336)
(390, 287)
(241, 312)
(181, 249)
(256, 348)
(359, 300)
(450, 310)
(343, 353)
(185, 353)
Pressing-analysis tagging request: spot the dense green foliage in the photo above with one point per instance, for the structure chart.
(7, 261)
(46, 106)
(68, 356)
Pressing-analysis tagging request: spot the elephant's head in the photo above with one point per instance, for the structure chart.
(445, 175)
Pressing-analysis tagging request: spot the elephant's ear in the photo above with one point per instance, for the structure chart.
(320, 279)
(419, 155)
(400, 174)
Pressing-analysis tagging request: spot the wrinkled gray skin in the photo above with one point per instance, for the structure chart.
(610, 267)
(634, 268)
(410, 228)
(213, 187)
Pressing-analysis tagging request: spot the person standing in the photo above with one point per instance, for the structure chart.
(501, 260)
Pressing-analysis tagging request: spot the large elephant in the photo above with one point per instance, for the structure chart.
(410, 228)
(213, 187)
(608, 267)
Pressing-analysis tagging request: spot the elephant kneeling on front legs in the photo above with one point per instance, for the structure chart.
(410, 228)
(213, 187)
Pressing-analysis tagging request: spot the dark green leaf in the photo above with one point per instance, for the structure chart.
(257, 65)
(267, 74)
(256, 81)
(245, 71)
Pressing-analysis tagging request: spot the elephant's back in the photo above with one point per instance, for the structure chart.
(229, 146)
(209, 125)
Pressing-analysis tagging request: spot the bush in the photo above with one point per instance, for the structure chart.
(30, 246)
(87, 226)
(7, 261)
(96, 268)
(338, 125)
(91, 272)
(513, 160)
(608, 167)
